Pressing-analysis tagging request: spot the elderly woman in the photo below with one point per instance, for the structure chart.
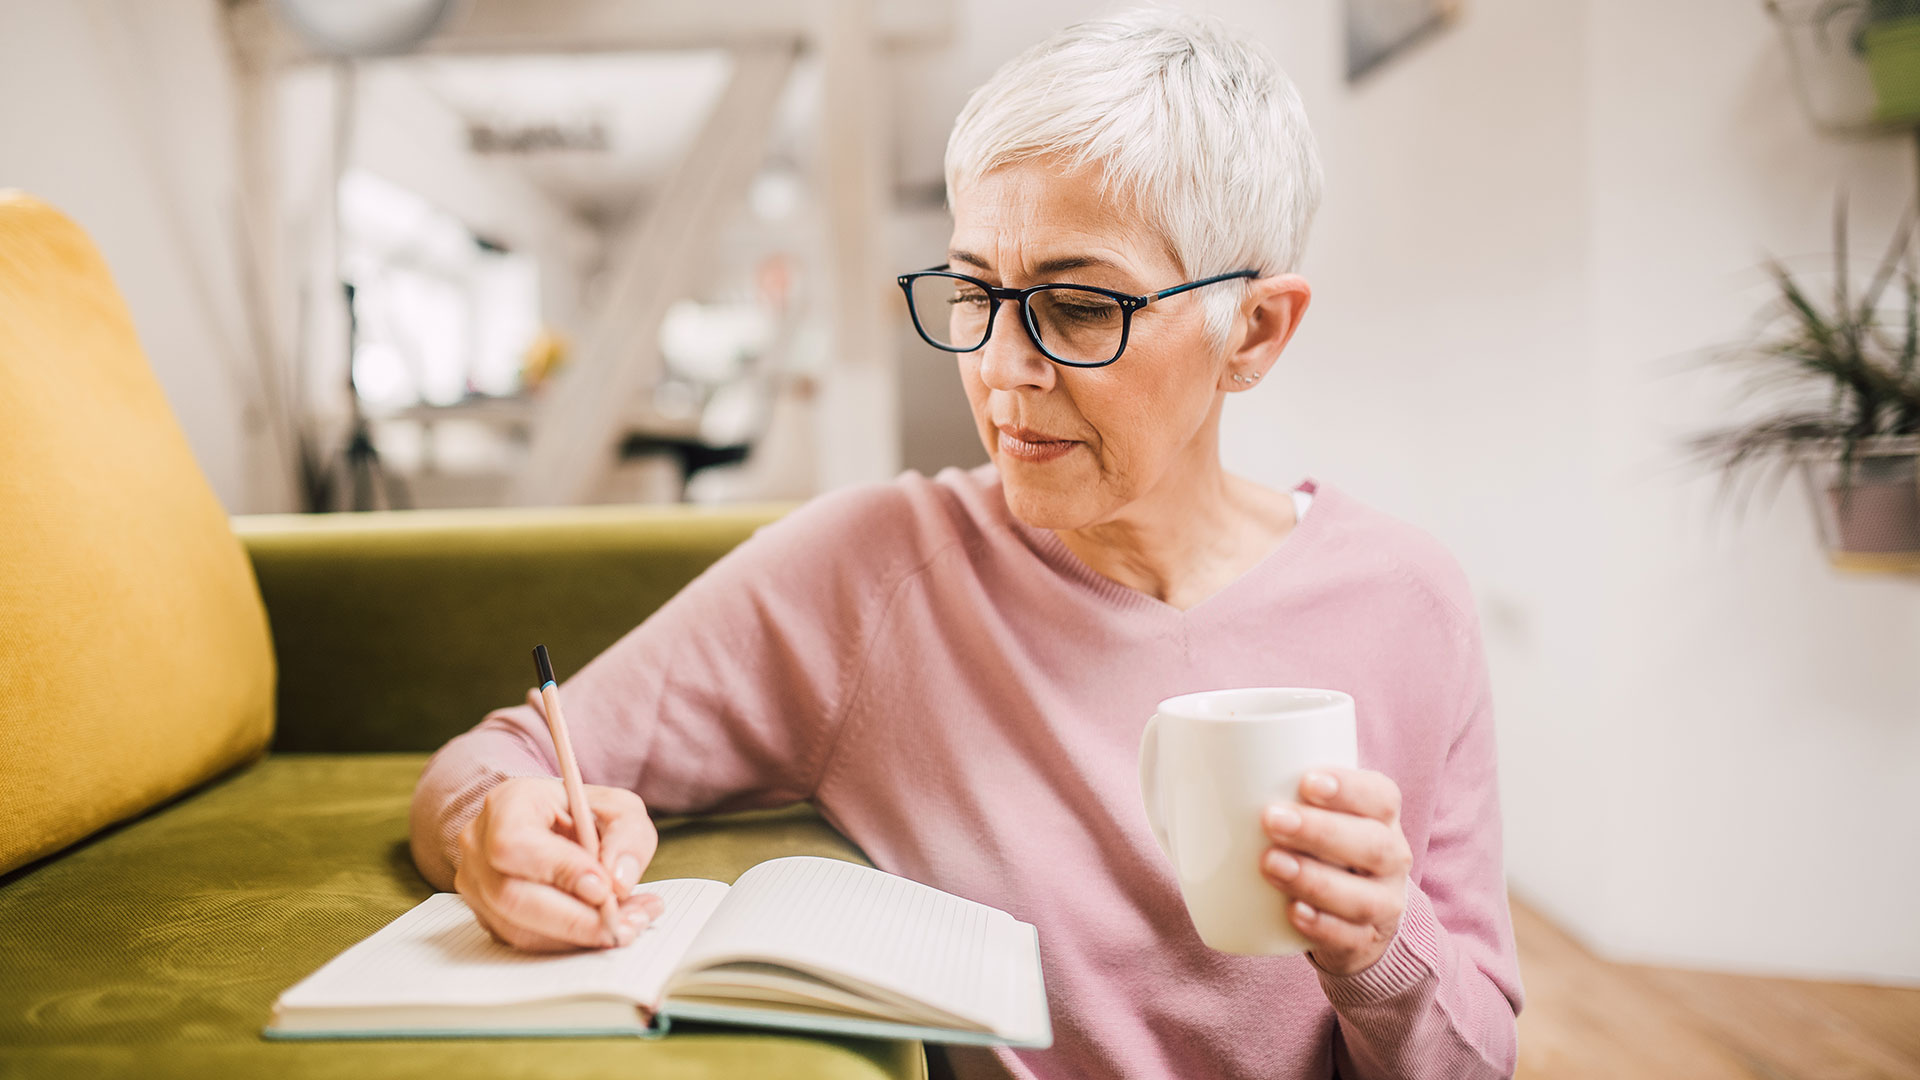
(956, 670)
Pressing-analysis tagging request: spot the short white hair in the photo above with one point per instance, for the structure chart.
(1193, 123)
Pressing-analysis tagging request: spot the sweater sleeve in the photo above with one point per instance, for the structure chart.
(1442, 1001)
(727, 697)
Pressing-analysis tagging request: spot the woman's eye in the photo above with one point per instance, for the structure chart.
(1087, 312)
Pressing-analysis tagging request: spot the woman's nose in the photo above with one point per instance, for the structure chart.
(1009, 360)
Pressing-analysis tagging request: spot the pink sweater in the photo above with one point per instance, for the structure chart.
(963, 697)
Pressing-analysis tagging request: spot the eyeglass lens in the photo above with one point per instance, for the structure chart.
(1075, 325)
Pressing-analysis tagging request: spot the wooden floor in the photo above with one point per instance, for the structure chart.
(1587, 1018)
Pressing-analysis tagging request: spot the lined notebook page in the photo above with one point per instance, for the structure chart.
(909, 938)
(438, 954)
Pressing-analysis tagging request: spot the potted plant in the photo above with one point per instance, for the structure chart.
(1850, 417)
(1888, 35)
(1891, 40)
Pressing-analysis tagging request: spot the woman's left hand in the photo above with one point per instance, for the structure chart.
(1340, 854)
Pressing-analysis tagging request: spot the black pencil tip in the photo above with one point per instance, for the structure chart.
(543, 665)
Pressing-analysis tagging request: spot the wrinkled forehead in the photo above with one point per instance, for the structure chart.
(1034, 220)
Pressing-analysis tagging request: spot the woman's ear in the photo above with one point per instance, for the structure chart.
(1271, 313)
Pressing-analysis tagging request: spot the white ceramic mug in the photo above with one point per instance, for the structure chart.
(1210, 763)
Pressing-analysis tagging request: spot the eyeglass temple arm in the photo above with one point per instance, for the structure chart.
(1203, 282)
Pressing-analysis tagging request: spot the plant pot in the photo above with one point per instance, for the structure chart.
(1873, 506)
(1877, 518)
(1893, 61)
(1828, 62)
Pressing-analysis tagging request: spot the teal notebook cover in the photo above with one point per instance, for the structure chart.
(736, 1016)
(635, 1031)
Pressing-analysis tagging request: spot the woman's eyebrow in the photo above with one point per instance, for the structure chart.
(1044, 267)
(1072, 262)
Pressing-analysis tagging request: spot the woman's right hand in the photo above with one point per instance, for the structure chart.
(530, 882)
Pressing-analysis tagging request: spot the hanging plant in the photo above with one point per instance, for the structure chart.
(1887, 34)
(1892, 45)
(1860, 447)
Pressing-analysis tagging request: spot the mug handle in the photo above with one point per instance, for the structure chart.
(1150, 782)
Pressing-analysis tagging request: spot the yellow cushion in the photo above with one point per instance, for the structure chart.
(134, 657)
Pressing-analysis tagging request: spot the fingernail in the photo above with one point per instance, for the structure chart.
(627, 933)
(626, 871)
(1303, 911)
(638, 920)
(1282, 818)
(1321, 785)
(1282, 865)
(591, 889)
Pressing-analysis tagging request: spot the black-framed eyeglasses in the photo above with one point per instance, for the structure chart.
(1077, 325)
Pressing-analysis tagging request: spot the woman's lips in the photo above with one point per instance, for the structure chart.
(1032, 445)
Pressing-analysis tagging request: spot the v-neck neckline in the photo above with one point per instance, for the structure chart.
(1048, 545)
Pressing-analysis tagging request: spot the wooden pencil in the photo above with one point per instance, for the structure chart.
(584, 829)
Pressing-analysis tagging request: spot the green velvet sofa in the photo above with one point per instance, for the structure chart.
(155, 948)
(208, 741)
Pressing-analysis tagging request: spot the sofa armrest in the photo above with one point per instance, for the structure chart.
(397, 631)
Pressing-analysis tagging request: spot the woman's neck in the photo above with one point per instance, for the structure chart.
(1189, 537)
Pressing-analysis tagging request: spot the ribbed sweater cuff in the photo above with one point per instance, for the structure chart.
(1411, 957)
(453, 788)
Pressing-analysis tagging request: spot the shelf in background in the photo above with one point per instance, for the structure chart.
(1857, 562)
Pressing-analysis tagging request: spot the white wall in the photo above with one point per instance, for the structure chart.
(1777, 702)
(119, 112)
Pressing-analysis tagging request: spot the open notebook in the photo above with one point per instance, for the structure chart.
(807, 943)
